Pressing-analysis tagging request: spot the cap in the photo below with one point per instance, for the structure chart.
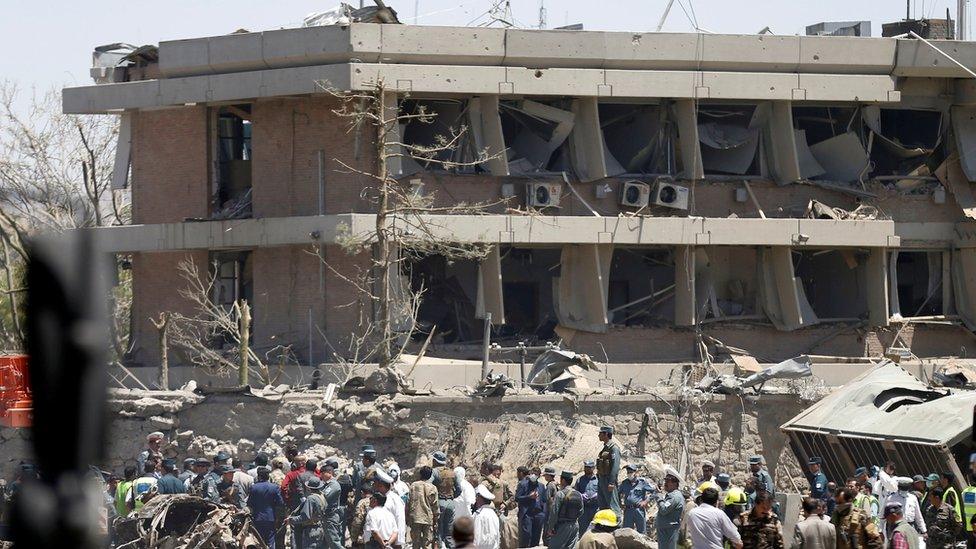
(860, 471)
(589, 463)
(26, 467)
(723, 477)
(314, 483)
(222, 456)
(484, 492)
(549, 471)
(568, 475)
(439, 457)
(155, 435)
(188, 461)
(202, 461)
(368, 450)
(383, 477)
(815, 460)
(605, 517)
(630, 467)
(892, 507)
(755, 460)
(169, 463)
(224, 469)
(606, 429)
(933, 477)
(332, 461)
(918, 478)
(904, 482)
(671, 472)
(707, 463)
(972, 457)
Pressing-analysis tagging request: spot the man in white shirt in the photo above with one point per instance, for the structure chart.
(383, 484)
(909, 503)
(886, 484)
(708, 525)
(487, 531)
(380, 528)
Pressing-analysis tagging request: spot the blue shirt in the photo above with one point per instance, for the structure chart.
(587, 486)
(818, 486)
(635, 491)
(265, 496)
(527, 504)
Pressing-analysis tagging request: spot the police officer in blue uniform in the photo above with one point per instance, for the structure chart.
(818, 480)
(587, 485)
(764, 481)
(636, 493)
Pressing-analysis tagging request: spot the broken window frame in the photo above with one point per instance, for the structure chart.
(943, 290)
(226, 202)
(666, 132)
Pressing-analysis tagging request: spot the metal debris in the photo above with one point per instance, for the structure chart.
(184, 521)
(559, 370)
(494, 385)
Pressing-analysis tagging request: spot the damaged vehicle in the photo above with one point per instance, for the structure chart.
(887, 414)
(185, 521)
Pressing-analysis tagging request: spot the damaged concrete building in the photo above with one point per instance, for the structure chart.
(786, 195)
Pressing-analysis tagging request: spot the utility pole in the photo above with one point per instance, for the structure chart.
(542, 14)
(961, 20)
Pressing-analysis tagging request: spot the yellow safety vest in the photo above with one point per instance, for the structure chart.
(968, 505)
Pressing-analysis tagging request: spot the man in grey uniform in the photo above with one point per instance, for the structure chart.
(670, 507)
(562, 526)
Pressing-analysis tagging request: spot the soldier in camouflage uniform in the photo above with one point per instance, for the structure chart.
(760, 528)
(855, 527)
(942, 521)
(357, 519)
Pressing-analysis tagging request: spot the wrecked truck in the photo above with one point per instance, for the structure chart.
(886, 414)
(185, 521)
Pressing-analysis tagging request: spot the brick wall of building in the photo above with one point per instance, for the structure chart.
(169, 165)
(156, 285)
(296, 293)
(287, 135)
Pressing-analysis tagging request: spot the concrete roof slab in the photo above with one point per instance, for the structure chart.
(652, 50)
(846, 55)
(237, 52)
(750, 53)
(555, 48)
(184, 57)
(448, 46)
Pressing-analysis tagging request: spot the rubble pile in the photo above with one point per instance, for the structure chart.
(178, 521)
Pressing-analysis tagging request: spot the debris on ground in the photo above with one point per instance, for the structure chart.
(494, 385)
(559, 370)
(385, 381)
(953, 375)
(794, 368)
(819, 210)
(187, 521)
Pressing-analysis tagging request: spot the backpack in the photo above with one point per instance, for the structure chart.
(572, 506)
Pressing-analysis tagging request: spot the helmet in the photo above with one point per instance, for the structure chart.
(605, 517)
(735, 496)
(707, 484)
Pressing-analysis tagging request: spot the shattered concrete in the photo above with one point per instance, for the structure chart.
(516, 430)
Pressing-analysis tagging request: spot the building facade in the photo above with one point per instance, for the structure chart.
(784, 195)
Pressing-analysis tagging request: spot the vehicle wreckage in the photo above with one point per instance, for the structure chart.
(183, 521)
(887, 414)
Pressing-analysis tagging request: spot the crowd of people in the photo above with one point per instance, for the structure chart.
(314, 503)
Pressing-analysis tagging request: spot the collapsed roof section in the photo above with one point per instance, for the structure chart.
(886, 414)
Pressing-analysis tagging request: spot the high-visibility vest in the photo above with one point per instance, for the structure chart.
(968, 506)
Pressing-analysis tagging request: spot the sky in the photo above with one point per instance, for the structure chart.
(48, 44)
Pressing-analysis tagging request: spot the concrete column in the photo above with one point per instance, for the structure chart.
(684, 286)
(877, 276)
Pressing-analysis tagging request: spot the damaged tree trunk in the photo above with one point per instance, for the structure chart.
(382, 241)
(163, 326)
(245, 312)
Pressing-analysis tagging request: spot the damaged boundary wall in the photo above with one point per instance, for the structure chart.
(652, 428)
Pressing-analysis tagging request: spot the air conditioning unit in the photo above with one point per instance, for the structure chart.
(635, 194)
(666, 193)
(543, 195)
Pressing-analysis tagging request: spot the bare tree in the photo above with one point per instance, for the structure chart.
(54, 176)
(403, 230)
(217, 338)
